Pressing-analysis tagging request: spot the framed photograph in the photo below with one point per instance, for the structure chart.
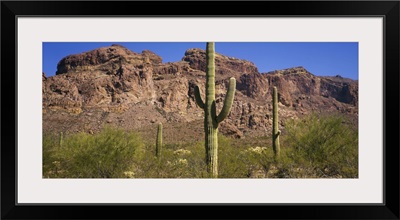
(268, 109)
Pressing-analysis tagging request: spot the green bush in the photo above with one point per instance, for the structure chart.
(311, 147)
(235, 162)
(178, 161)
(187, 160)
(321, 146)
(108, 154)
(231, 162)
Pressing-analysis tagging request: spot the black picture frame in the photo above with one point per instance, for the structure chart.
(11, 10)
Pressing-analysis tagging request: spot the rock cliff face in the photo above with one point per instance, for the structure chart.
(224, 65)
(113, 85)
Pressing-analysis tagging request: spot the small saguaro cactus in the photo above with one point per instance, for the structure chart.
(275, 129)
(61, 141)
(211, 119)
(159, 140)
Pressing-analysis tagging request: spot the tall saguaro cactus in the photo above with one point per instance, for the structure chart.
(275, 129)
(211, 119)
(159, 140)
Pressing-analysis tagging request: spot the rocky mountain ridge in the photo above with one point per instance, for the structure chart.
(113, 85)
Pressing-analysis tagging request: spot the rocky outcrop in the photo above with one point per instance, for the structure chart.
(224, 65)
(253, 85)
(173, 94)
(113, 85)
(104, 58)
(176, 68)
(106, 76)
(340, 88)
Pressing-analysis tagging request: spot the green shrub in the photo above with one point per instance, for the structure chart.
(178, 161)
(240, 162)
(321, 146)
(50, 163)
(108, 154)
(311, 147)
(231, 161)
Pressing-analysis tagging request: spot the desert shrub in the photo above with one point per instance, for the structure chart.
(320, 146)
(239, 162)
(187, 160)
(50, 162)
(196, 160)
(108, 154)
(230, 160)
(311, 147)
(181, 160)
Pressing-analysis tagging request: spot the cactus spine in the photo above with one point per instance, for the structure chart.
(275, 129)
(211, 119)
(159, 140)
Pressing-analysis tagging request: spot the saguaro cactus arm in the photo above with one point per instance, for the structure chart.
(230, 94)
(197, 96)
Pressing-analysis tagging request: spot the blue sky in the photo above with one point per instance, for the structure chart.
(320, 58)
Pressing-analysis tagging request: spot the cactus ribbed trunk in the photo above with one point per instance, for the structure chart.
(212, 151)
(211, 119)
(210, 125)
(275, 129)
(159, 140)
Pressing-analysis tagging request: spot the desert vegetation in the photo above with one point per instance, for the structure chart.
(314, 146)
